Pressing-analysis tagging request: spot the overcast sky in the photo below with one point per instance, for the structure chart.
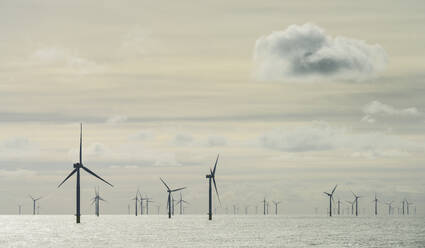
(296, 96)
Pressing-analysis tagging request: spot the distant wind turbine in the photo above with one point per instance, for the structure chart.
(136, 201)
(77, 167)
(275, 206)
(246, 210)
(180, 202)
(389, 207)
(212, 176)
(264, 205)
(331, 198)
(148, 200)
(352, 206)
(169, 196)
(34, 200)
(141, 199)
(96, 201)
(407, 206)
(356, 200)
(376, 205)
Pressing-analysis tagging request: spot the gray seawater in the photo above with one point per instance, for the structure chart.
(223, 231)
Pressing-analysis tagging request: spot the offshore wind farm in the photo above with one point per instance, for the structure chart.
(212, 123)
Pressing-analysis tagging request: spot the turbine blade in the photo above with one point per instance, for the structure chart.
(174, 190)
(164, 184)
(215, 165)
(334, 189)
(94, 174)
(185, 202)
(31, 197)
(216, 191)
(70, 174)
(81, 143)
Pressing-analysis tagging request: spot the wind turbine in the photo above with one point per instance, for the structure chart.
(136, 201)
(407, 205)
(96, 200)
(34, 200)
(331, 198)
(169, 196)
(141, 199)
(352, 206)
(147, 204)
(339, 207)
(403, 202)
(181, 201)
(376, 205)
(275, 206)
(77, 167)
(212, 176)
(246, 210)
(356, 199)
(389, 207)
(264, 205)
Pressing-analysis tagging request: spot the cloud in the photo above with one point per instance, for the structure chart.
(182, 139)
(64, 58)
(317, 137)
(368, 119)
(18, 148)
(378, 108)
(117, 119)
(320, 136)
(307, 52)
(142, 135)
(216, 141)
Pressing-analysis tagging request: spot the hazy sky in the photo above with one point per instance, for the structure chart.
(296, 96)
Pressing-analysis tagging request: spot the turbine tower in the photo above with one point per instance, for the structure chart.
(339, 207)
(34, 201)
(141, 199)
(407, 206)
(136, 201)
(356, 200)
(331, 198)
(376, 205)
(77, 167)
(147, 204)
(169, 196)
(275, 206)
(212, 176)
(389, 207)
(264, 205)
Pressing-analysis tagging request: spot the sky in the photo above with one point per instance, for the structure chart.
(295, 96)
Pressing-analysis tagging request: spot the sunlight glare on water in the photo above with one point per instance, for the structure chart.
(223, 231)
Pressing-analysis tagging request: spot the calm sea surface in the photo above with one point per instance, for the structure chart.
(223, 231)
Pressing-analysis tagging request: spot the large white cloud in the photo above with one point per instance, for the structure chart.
(307, 52)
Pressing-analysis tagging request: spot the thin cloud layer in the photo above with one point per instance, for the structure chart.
(307, 52)
(378, 108)
(320, 136)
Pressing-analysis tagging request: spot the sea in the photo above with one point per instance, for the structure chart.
(223, 231)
